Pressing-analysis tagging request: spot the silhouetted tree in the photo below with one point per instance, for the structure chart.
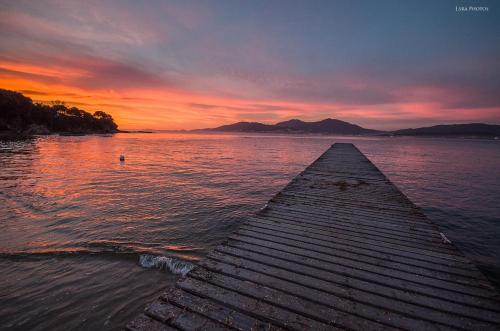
(18, 113)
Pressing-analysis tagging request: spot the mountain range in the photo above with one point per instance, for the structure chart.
(472, 129)
(328, 125)
(335, 126)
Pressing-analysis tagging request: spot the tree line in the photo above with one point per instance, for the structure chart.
(19, 114)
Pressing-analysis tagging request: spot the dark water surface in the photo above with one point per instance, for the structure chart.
(86, 241)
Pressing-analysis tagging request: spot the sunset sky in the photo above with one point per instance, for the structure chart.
(195, 64)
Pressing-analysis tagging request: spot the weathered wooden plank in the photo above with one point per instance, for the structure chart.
(372, 206)
(367, 200)
(292, 211)
(358, 303)
(349, 286)
(331, 264)
(440, 251)
(212, 310)
(143, 322)
(318, 173)
(361, 257)
(455, 270)
(180, 318)
(459, 274)
(382, 266)
(358, 222)
(404, 223)
(400, 230)
(340, 247)
(248, 297)
(315, 209)
(346, 249)
(303, 287)
(333, 229)
(291, 302)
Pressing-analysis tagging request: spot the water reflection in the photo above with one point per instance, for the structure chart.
(73, 215)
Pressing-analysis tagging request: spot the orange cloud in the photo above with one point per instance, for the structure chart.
(138, 99)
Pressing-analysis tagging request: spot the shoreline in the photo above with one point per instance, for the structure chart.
(10, 135)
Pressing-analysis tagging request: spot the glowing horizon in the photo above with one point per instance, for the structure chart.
(185, 65)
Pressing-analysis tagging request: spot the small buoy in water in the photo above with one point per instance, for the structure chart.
(122, 157)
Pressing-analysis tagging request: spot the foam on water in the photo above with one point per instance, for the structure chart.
(165, 263)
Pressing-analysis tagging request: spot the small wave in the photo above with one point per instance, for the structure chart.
(165, 263)
(71, 252)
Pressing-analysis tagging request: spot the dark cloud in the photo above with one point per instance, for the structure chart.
(103, 73)
(202, 106)
(32, 92)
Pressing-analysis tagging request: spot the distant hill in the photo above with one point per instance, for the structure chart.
(472, 129)
(325, 126)
(334, 126)
(330, 126)
(244, 127)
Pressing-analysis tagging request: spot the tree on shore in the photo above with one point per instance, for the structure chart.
(19, 114)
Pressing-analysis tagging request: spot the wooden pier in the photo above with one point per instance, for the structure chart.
(340, 247)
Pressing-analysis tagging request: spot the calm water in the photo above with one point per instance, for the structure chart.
(87, 241)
